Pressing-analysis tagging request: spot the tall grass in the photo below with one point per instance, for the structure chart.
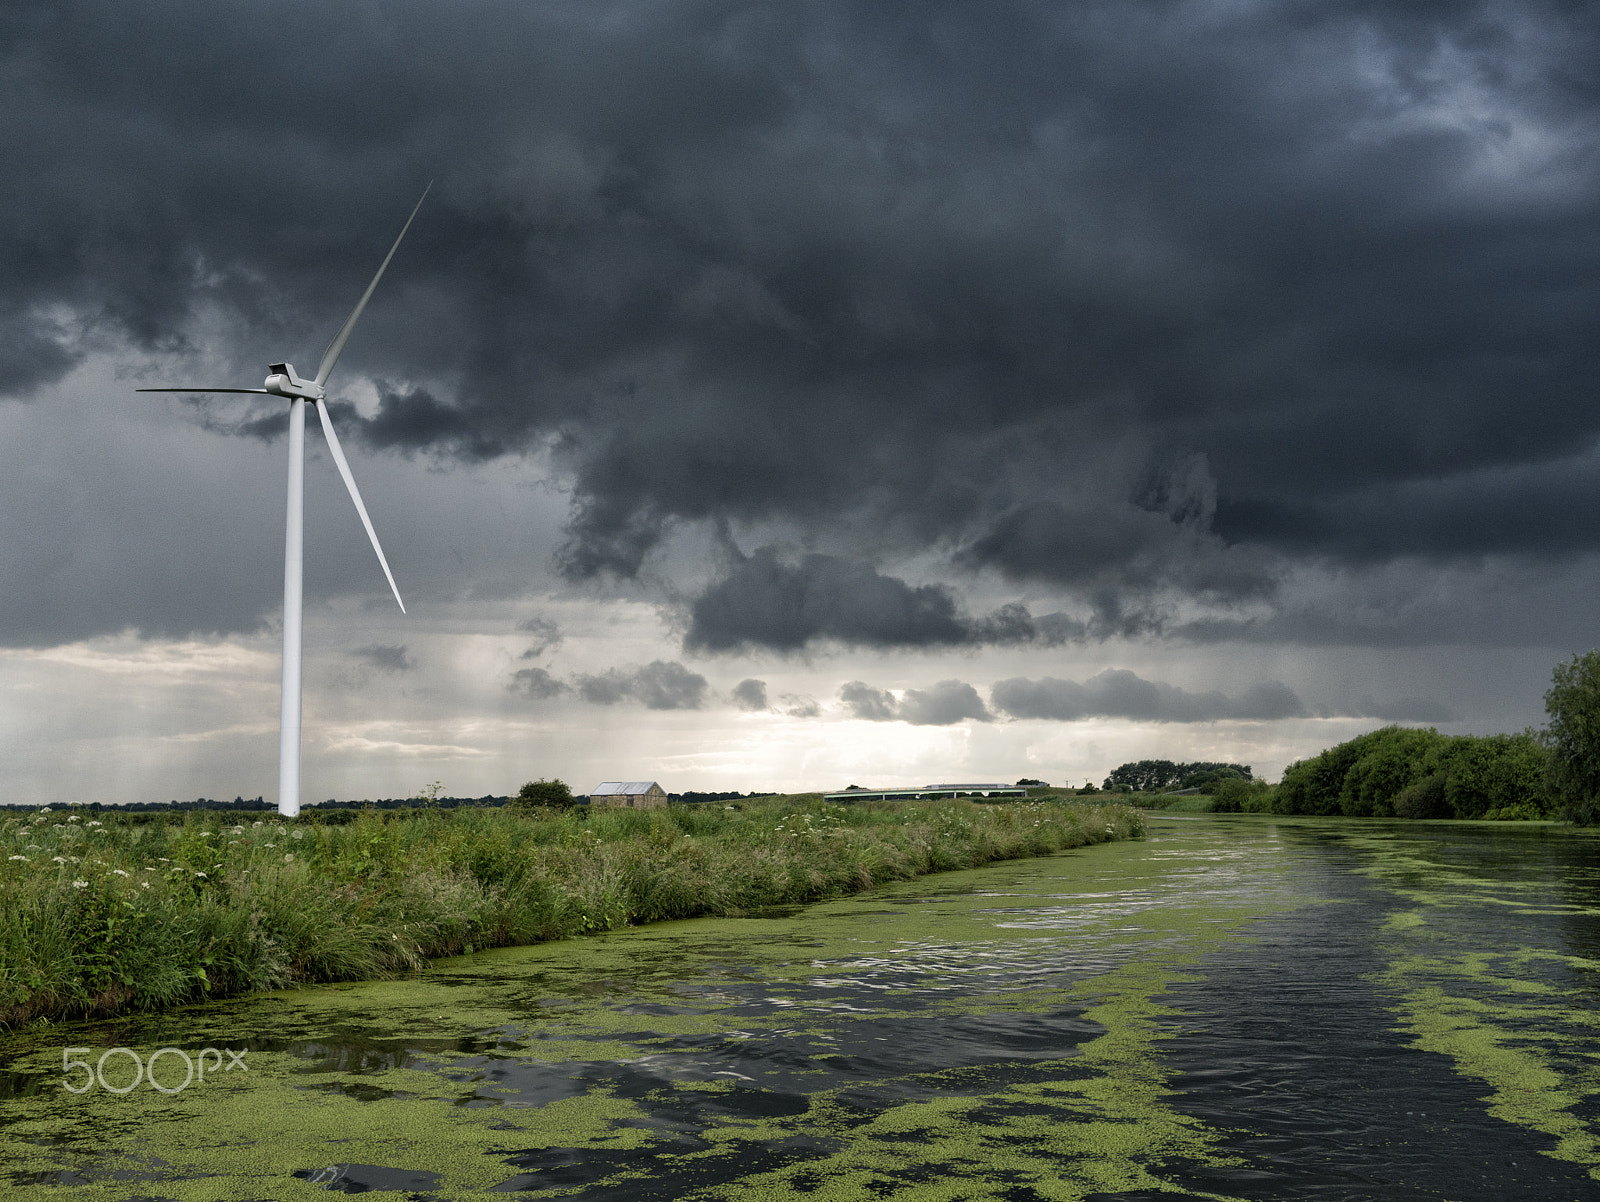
(107, 913)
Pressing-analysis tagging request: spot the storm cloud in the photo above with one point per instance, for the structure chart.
(536, 684)
(750, 695)
(1118, 693)
(944, 704)
(386, 657)
(765, 602)
(660, 685)
(1148, 305)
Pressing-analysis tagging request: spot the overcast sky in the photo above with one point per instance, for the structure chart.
(792, 395)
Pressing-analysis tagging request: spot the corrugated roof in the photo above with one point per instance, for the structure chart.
(626, 787)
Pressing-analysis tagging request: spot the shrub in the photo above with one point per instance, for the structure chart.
(1392, 759)
(1495, 773)
(1514, 813)
(541, 792)
(1235, 795)
(1425, 799)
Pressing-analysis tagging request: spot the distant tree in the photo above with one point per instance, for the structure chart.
(541, 792)
(1235, 795)
(1573, 738)
(1030, 783)
(1155, 776)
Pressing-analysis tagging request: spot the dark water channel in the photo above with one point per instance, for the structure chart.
(1236, 1008)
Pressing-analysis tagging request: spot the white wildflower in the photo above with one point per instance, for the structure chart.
(298, 835)
(200, 874)
(144, 884)
(74, 818)
(257, 822)
(24, 859)
(96, 822)
(80, 884)
(119, 872)
(31, 847)
(57, 859)
(289, 859)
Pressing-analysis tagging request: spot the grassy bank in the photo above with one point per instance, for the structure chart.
(107, 913)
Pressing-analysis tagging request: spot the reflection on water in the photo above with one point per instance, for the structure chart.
(1239, 1007)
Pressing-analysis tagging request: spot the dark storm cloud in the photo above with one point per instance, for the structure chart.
(661, 685)
(864, 701)
(1118, 693)
(750, 695)
(764, 602)
(536, 684)
(386, 658)
(1137, 301)
(946, 703)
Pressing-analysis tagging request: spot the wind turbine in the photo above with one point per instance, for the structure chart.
(284, 382)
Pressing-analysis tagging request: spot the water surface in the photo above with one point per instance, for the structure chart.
(1237, 1008)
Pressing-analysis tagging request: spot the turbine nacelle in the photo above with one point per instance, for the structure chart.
(285, 382)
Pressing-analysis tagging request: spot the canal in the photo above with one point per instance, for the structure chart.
(1239, 1007)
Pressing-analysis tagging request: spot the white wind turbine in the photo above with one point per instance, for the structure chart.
(283, 382)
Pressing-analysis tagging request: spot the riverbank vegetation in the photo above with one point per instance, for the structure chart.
(1409, 772)
(121, 912)
(1400, 772)
(1394, 772)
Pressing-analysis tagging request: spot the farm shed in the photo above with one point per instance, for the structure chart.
(636, 794)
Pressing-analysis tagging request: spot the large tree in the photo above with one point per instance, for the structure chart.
(1573, 704)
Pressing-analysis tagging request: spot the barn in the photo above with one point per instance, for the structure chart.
(636, 794)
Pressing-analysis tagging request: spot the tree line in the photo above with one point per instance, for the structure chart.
(1157, 776)
(1401, 772)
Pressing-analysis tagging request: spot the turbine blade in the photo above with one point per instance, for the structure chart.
(331, 355)
(355, 495)
(263, 391)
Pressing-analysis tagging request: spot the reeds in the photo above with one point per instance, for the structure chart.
(107, 913)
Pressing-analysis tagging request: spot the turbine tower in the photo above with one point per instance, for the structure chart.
(284, 382)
